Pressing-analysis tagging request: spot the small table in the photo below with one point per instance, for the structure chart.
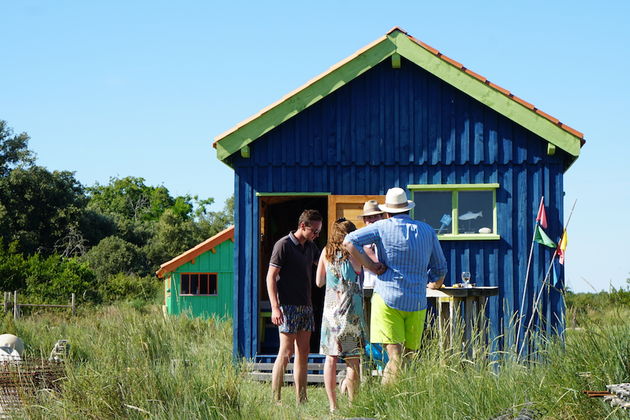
(448, 302)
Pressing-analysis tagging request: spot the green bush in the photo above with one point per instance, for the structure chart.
(13, 266)
(53, 279)
(621, 296)
(41, 279)
(114, 255)
(130, 287)
(585, 307)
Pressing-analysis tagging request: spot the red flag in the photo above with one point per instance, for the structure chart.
(542, 215)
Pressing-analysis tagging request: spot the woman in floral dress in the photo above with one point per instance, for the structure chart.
(343, 324)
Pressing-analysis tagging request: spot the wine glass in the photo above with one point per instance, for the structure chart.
(466, 278)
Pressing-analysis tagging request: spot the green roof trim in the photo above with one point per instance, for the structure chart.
(304, 98)
(486, 94)
(451, 187)
(393, 44)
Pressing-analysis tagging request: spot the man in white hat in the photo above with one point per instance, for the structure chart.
(411, 259)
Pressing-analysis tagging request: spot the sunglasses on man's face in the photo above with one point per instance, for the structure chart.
(315, 231)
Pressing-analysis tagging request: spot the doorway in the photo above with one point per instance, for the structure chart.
(279, 215)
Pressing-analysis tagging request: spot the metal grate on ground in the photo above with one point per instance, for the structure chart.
(20, 381)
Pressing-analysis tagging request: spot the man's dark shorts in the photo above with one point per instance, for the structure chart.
(297, 318)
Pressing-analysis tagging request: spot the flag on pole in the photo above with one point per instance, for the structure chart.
(541, 237)
(562, 246)
(541, 217)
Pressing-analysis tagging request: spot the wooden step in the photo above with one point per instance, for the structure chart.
(262, 372)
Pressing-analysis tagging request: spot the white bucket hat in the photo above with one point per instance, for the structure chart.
(370, 208)
(396, 201)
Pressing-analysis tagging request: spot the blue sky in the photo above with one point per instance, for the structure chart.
(118, 88)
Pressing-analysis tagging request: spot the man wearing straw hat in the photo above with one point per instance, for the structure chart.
(411, 259)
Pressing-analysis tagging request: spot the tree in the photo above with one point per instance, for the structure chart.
(13, 268)
(95, 226)
(174, 234)
(129, 198)
(39, 208)
(53, 279)
(14, 150)
(114, 255)
(212, 222)
(134, 207)
(49, 279)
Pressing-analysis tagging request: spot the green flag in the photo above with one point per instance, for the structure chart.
(542, 238)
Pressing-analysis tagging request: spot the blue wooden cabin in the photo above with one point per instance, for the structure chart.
(475, 158)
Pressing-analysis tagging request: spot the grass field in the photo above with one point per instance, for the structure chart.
(131, 362)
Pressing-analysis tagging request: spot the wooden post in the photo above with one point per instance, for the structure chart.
(73, 306)
(6, 302)
(468, 325)
(15, 305)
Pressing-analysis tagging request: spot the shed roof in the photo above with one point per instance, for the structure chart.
(192, 253)
(397, 41)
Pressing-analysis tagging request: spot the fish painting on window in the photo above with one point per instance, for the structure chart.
(469, 215)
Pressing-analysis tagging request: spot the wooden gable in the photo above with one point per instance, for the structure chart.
(393, 46)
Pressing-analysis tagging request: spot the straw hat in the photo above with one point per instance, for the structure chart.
(396, 201)
(370, 208)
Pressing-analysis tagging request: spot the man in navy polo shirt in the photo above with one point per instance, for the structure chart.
(289, 287)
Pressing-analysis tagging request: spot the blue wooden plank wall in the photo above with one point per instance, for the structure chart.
(394, 127)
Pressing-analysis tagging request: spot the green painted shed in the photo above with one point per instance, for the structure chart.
(200, 281)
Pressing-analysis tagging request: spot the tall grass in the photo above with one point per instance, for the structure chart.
(440, 385)
(130, 362)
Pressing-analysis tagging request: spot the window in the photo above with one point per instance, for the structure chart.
(457, 211)
(199, 284)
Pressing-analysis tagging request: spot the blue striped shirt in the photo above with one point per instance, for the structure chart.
(412, 254)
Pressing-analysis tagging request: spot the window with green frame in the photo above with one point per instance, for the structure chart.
(457, 211)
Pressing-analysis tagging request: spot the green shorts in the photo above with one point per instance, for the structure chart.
(393, 326)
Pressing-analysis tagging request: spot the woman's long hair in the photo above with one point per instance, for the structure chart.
(335, 251)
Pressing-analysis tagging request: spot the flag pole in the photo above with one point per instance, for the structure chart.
(545, 280)
(534, 306)
(529, 262)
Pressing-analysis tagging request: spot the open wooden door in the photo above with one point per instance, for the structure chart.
(350, 207)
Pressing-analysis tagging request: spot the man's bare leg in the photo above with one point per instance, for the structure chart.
(392, 369)
(300, 365)
(284, 355)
